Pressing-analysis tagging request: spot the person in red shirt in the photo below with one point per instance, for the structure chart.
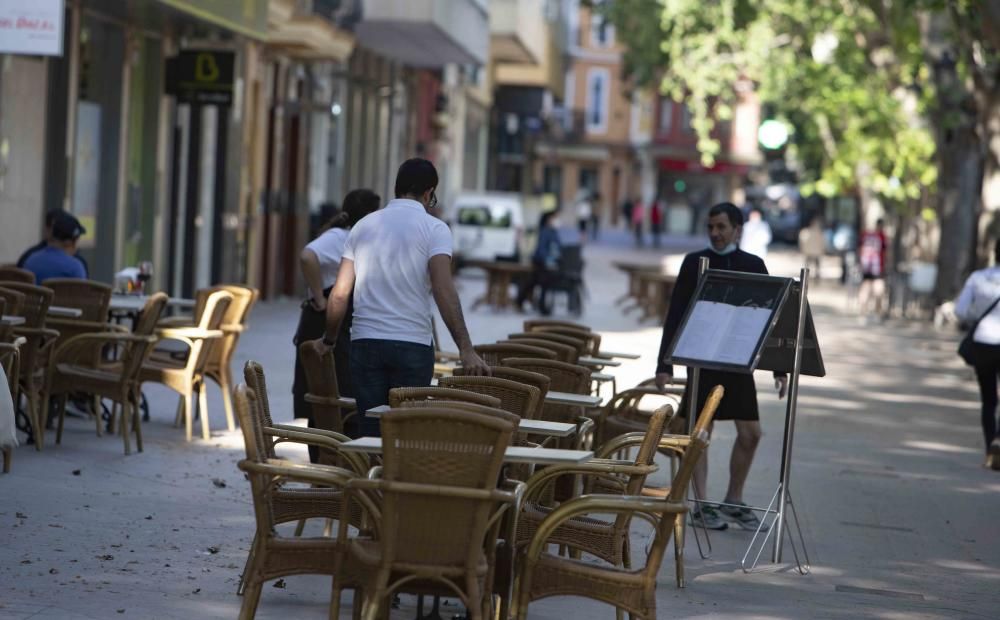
(871, 254)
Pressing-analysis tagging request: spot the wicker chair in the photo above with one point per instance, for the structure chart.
(273, 555)
(603, 538)
(495, 354)
(593, 339)
(293, 505)
(14, 299)
(441, 509)
(34, 353)
(188, 375)
(564, 353)
(118, 382)
(10, 273)
(218, 367)
(563, 378)
(579, 344)
(622, 414)
(328, 408)
(92, 299)
(521, 376)
(398, 397)
(531, 324)
(514, 397)
(633, 590)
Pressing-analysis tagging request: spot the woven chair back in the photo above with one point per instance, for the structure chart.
(520, 376)
(14, 299)
(10, 273)
(593, 339)
(495, 354)
(564, 353)
(136, 352)
(518, 398)
(461, 406)
(580, 344)
(35, 303)
(210, 318)
(234, 322)
(248, 412)
(321, 380)
(90, 297)
(530, 324)
(563, 377)
(253, 374)
(399, 396)
(433, 448)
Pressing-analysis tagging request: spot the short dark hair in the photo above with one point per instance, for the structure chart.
(730, 210)
(415, 176)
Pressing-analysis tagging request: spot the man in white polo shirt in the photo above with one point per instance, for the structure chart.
(395, 260)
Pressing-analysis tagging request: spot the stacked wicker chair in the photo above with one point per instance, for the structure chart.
(10, 273)
(564, 353)
(495, 354)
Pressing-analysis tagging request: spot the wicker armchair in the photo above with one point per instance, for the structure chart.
(329, 409)
(92, 299)
(118, 382)
(521, 376)
(603, 538)
(579, 344)
(563, 377)
(34, 354)
(633, 590)
(495, 354)
(441, 509)
(564, 353)
(10, 273)
(398, 397)
(272, 555)
(14, 299)
(188, 375)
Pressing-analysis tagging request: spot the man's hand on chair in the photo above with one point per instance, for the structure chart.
(473, 364)
(663, 379)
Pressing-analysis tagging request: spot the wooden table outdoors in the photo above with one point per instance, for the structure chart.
(513, 454)
(499, 277)
(632, 271)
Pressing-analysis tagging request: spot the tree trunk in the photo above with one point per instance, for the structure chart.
(959, 189)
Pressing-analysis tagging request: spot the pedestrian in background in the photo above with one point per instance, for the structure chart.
(320, 261)
(756, 234)
(584, 212)
(872, 249)
(595, 215)
(397, 260)
(50, 218)
(545, 264)
(977, 305)
(638, 215)
(656, 220)
(58, 258)
(812, 244)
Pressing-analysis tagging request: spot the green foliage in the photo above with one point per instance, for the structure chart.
(847, 75)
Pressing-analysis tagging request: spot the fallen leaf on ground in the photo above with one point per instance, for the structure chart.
(279, 583)
(219, 483)
(76, 472)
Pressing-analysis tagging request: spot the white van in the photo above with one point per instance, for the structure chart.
(487, 226)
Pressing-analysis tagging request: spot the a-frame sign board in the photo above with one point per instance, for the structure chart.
(741, 322)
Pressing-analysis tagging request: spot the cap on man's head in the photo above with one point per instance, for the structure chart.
(65, 227)
(51, 215)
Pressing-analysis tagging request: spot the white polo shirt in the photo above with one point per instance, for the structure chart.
(329, 248)
(392, 289)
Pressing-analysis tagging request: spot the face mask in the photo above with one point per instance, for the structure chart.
(729, 249)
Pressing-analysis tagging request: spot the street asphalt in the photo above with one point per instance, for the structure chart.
(897, 513)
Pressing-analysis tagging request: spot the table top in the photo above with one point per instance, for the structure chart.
(535, 427)
(565, 398)
(134, 303)
(513, 454)
(64, 312)
(12, 321)
(597, 361)
(623, 356)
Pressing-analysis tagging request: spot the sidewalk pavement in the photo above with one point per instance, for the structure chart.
(898, 514)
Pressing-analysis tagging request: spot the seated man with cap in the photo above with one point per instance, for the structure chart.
(57, 259)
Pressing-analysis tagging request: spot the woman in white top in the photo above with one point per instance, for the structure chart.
(320, 261)
(976, 301)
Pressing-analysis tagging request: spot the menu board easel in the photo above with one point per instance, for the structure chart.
(741, 322)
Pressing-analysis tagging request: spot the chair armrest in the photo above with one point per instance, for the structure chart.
(319, 438)
(675, 442)
(621, 442)
(233, 328)
(187, 334)
(588, 504)
(593, 467)
(96, 326)
(300, 472)
(177, 321)
(42, 333)
(348, 403)
(312, 431)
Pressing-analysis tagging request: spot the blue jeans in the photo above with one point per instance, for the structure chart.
(377, 366)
